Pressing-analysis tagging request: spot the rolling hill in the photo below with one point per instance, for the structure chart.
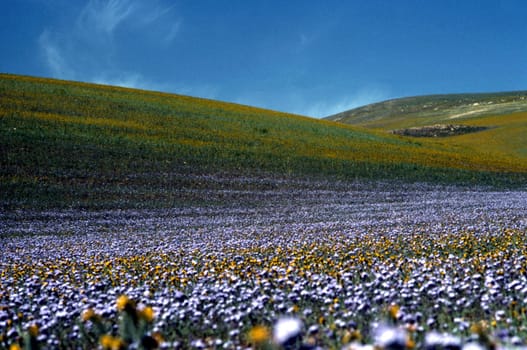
(430, 109)
(71, 144)
(495, 124)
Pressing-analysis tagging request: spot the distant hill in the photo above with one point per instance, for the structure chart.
(494, 124)
(70, 144)
(431, 109)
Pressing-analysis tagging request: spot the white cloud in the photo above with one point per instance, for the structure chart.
(306, 102)
(105, 16)
(202, 90)
(54, 57)
(156, 14)
(343, 103)
(305, 40)
(131, 80)
(138, 81)
(85, 46)
(171, 32)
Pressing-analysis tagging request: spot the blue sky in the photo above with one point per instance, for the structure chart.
(308, 57)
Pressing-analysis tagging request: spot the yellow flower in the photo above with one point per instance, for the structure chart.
(479, 328)
(33, 330)
(258, 334)
(15, 347)
(147, 314)
(346, 337)
(295, 308)
(122, 302)
(111, 343)
(117, 344)
(88, 314)
(393, 310)
(351, 336)
(106, 341)
(158, 337)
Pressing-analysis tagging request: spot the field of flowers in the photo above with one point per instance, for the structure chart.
(338, 266)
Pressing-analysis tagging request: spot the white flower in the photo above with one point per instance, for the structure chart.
(285, 329)
(390, 338)
(451, 341)
(358, 346)
(433, 339)
(473, 346)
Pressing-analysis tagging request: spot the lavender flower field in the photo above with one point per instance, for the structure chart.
(332, 266)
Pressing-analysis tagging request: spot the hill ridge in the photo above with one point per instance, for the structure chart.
(447, 106)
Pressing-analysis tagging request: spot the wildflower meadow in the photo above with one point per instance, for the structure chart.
(354, 266)
(142, 220)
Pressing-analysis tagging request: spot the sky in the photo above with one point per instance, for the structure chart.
(314, 58)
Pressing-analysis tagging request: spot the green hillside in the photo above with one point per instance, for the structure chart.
(68, 144)
(500, 118)
(430, 109)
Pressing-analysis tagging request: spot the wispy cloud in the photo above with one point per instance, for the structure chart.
(157, 13)
(105, 16)
(311, 103)
(304, 39)
(131, 80)
(86, 46)
(54, 57)
(139, 81)
(171, 33)
(343, 103)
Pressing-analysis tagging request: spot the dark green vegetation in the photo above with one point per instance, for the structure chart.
(439, 130)
(66, 144)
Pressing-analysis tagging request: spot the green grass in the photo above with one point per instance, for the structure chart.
(68, 144)
(504, 115)
(431, 109)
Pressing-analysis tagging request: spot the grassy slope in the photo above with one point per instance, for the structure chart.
(426, 110)
(505, 115)
(82, 145)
